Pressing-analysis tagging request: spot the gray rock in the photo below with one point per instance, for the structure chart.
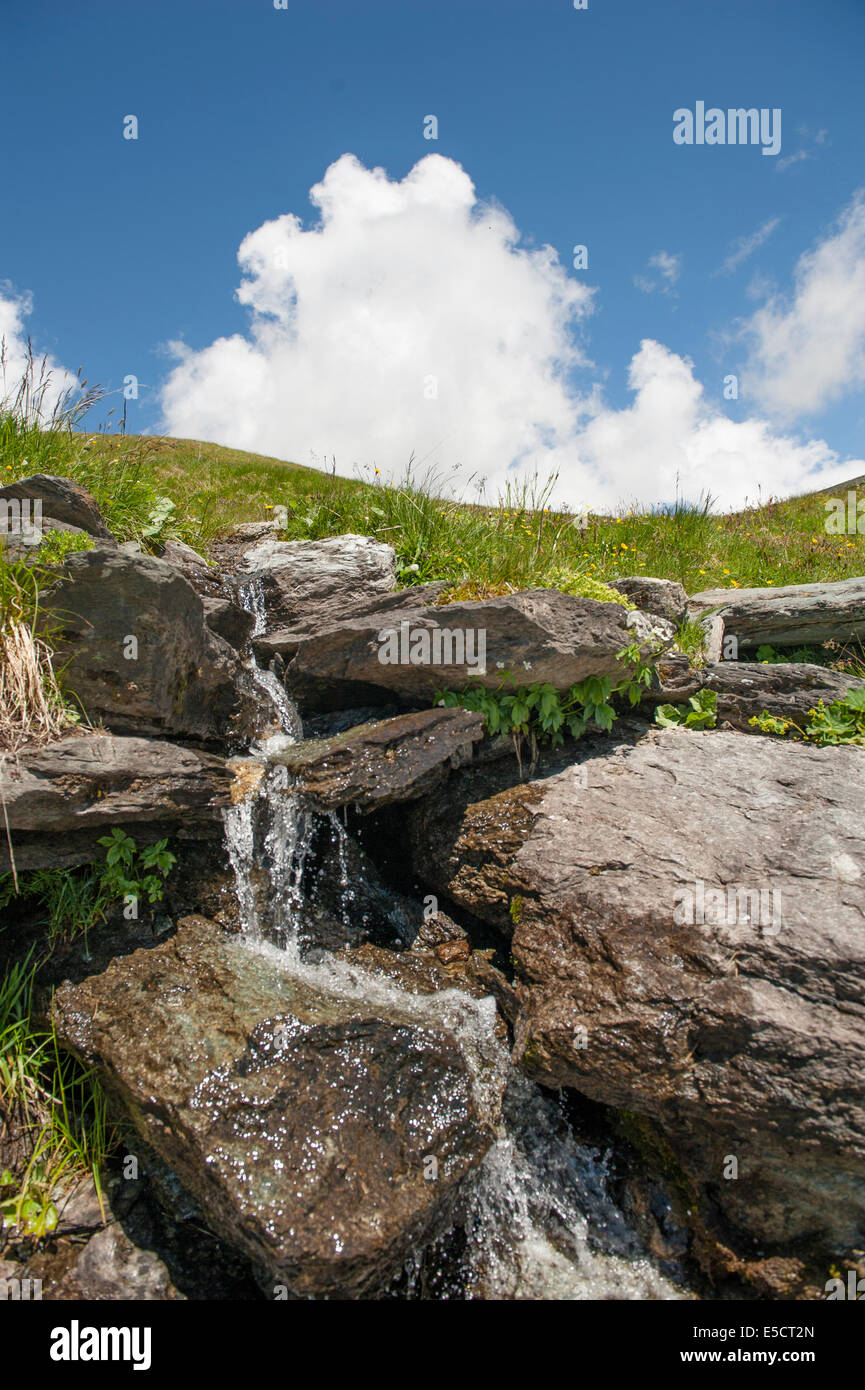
(791, 616)
(662, 596)
(61, 499)
(299, 1120)
(380, 764)
(284, 641)
(301, 579)
(112, 1268)
(135, 648)
(181, 555)
(228, 620)
(81, 786)
(743, 1039)
(650, 629)
(787, 690)
(538, 635)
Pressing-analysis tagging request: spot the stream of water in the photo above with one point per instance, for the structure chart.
(541, 1223)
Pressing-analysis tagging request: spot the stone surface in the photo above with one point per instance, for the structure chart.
(180, 680)
(787, 690)
(662, 596)
(379, 764)
(743, 1039)
(61, 499)
(650, 629)
(790, 616)
(84, 785)
(298, 1120)
(387, 607)
(745, 688)
(300, 579)
(537, 635)
(229, 621)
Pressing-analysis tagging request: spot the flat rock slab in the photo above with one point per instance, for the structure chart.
(88, 783)
(784, 689)
(793, 616)
(735, 1024)
(298, 1120)
(536, 635)
(382, 763)
(787, 690)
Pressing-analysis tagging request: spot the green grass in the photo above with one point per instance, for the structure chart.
(520, 542)
(54, 1129)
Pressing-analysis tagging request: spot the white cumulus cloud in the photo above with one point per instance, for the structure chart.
(808, 350)
(411, 319)
(50, 379)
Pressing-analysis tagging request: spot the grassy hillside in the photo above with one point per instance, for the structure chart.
(520, 541)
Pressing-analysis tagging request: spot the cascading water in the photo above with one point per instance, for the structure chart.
(540, 1222)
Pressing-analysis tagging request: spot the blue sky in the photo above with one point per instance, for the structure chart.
(563, 118)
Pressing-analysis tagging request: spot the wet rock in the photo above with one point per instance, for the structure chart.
(437, 930)
(379, 764)
(304, 578)
(790, 616)
(61, 797)
(228, 620)
(742, 1039)
(661, 596)
(537, 635)
(136, 649)
(299, 1119)
(62, 500)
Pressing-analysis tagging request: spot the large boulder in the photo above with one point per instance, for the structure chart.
(536, 635)
(301, 1120)
(300, 579)
(792, 615)
(60, 798)
(129, 633)
(689, 942)
(379, 764)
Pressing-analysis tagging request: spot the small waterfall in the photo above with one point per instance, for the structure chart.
(540, 1223)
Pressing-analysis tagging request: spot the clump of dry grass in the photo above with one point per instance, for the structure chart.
(32, 708)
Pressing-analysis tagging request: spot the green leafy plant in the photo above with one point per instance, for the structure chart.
(702, 713)
(843, 721)
(74, 901)
(542, 713)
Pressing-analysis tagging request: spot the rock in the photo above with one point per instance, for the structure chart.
(538, 635)
(182, 556)
(662, 596)
(299, 1119)
(320, 578)
(651, 630)
(284, 641)
(741, 1040)
(229, 621)
(791, 616)
(379, 764)
(136, 650)
(437, 930)
(787, 690)
(112, 1268)
(229, 549)
(713, 642)
(61, 797)
(62, 500)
